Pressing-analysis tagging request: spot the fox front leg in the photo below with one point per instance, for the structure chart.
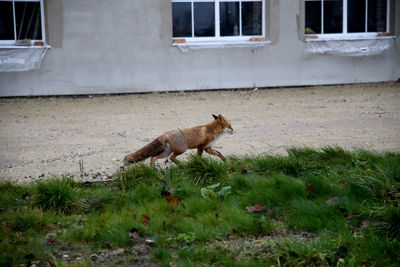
(200, 150)
(211, 151)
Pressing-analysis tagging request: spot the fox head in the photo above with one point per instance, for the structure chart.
(222, 120)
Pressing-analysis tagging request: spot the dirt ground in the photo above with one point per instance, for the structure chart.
(87, 137)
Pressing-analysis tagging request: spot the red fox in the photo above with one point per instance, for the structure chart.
(176, 142)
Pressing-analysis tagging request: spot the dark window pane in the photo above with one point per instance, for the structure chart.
(333, 19)
(251, 18)
(6, 21)
(313, 17)
(28, 20)
(356, 16)
(204, 19)
(377, 10)
(229, 18)
(181, 19)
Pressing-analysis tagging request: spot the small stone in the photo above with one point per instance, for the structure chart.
(334, 200)
(118, 251)
(303, 235)
(150, 240)
(94, 257)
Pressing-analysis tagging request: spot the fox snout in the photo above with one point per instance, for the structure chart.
(230, 130)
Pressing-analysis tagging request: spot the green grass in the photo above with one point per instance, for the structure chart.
(314, 216)
(322, 207)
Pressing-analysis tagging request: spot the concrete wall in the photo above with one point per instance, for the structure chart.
(101, 46)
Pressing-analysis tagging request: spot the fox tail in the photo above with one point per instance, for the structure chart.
(152, 149)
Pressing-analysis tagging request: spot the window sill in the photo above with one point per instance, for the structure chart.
(316, 38)
(24, 46)
(219, 44)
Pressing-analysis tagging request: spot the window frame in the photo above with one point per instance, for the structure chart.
(223, 39)
(12, 43)
(345, 35)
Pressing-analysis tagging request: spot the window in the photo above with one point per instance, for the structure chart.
(219, 20)
(346, 18)
(21, 22)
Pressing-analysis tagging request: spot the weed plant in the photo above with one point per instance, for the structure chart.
(319, 208)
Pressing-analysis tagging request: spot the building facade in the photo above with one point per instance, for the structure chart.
(70, 47)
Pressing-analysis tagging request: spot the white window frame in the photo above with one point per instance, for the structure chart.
(346, 35)
(217, 39)
(12, 43)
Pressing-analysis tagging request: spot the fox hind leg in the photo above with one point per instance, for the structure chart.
(176, 152)
(178, 145)
(173, 157)
(167, 151)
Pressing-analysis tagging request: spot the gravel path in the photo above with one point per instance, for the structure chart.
(88, 136)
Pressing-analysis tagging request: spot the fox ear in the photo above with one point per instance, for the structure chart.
(215, 116)
(220, 117)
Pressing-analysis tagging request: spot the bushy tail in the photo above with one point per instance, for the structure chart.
(152, 149)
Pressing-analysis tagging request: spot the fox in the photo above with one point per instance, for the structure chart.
(175, 142)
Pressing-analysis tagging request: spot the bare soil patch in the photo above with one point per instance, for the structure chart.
(87, 137)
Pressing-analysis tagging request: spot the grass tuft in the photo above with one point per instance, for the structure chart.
(297, 253)
(136, 174)
(12, 195)
(336, 155)
(58, 195)
(26, 218)
(272, 191)
(288, 165)
(204, 171)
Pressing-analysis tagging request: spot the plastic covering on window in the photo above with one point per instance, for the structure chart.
(253, 42)
(21, 59)
(349, 47)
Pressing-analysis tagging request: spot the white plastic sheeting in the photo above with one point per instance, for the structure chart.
(185, 47)
(21, 59)
(366, 47)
